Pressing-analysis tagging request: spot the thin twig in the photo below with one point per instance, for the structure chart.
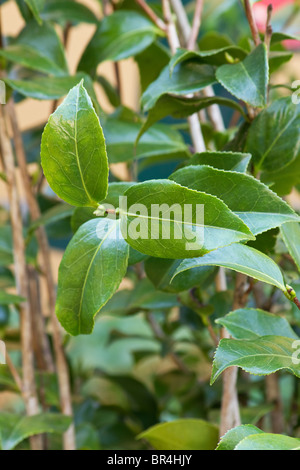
(269, 29)
(196, 25)
(252, 22)
(152, 15)
(13, 371)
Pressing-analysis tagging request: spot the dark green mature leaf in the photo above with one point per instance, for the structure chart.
(73, 151)
(67, 11)
(263, 356)
(158, 141)
(234, 161)
(36, 7)
(163, 219)
(247, 80)
(291, 236)
(44, 55)
(283, 180)
(212, 56)
(110, 91)
(251, 323)
(251, 200)
(234, 436)
(52, 215)
(15, 428)
(240, 258)
(7, 299)
(160, 272)
(267, 441)
(182, 434)
(273, 137)
(91, 270)
(181, 107)
(119, 36)
(186, 78)
(6, 249)
(151, 61)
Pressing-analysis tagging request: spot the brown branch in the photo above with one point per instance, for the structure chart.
(13, 371)
(152, 15)
(269, 29)
(61, 363)
(252, 22)
(196, 25)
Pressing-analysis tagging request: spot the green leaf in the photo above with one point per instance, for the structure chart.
(44, 55)
(36, 7)
(158, 226)
(186, 78)
(212, 56)
(230, 440)
(251, 200)
(118, 36)
(182, 434)
(251, 323)
(263, 356)
(240, 258)
(234, 161)
(181, 107)
(6, 249)
(15, 428)
(7, 299)
(73, 151)
(247, 80)
(291, 236)
(283, 180)
(67, 11)
(150, 62)
(273, 138)
(160, 272)
(160, 140)
(110, 91)
(268, 441)
(91, 270)
(52, 215)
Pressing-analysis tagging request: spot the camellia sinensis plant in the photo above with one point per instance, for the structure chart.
(184, 267)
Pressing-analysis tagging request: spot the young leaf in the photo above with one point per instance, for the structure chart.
(247, 80)
(212, 56)
(268, 441)
(291, 236)
(240, 258)
(118, 36)
(230, 161)
(15, 428)
(73, 151)
(232, 438)
(162, 219)
(186, 78)
(91, 270)
(182, 434)
(251, 200)
(251, 323)
(262, 356)
(273, 138)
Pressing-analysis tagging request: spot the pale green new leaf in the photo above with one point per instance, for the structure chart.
(262, 356)
(182, 434)
(247, 80)
(251, 200)
(156, 222)
(291, 236)
(73, 151)
(251, 323)
(212, 56)
(230, 161)
(91, 270)
(232, 438)
(240, 258)
(268, 441)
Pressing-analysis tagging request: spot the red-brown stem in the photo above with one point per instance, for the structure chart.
(152, 15)
(269, 29)
(252, 22)
(196, 25)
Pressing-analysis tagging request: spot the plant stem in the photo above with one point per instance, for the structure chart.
(196, 25)
(152, 15)
(252, 22)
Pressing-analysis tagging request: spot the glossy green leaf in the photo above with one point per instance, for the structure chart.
(186, 78)
(283, 180)
(182, 434)
(268, 441)
(44, 55)
(52, 215)
(181, 107)
(247, 80)
(160, 272)
(262, 356)
(153, 221)
(212, 56)
(15, 428)
(251, 323)
(234, 161)
(291, 236)
(36, 7)
(91, 270)
(160, 140)
(118, 36)
(7, 299)
(251, 200)
(67, 11)
(273, 138)
(240, 258)
(232, 438)
(150, 62)
(73, 151)
(110, 91)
